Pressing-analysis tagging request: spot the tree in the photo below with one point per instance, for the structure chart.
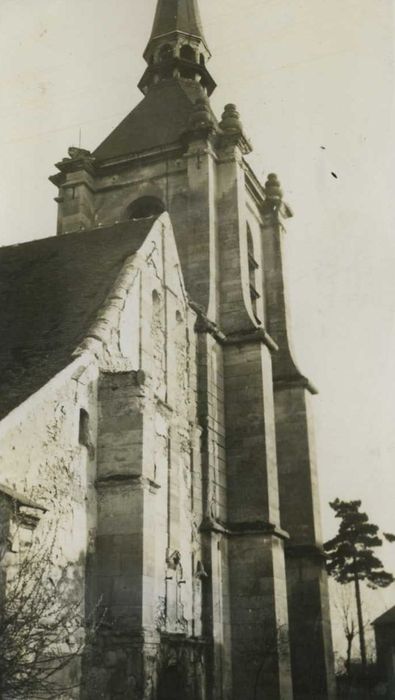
(344, 604)
(345, 609)
(42, 629)
(351, 557)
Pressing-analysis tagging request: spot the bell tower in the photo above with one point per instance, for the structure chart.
(261, 587)
(177, 47)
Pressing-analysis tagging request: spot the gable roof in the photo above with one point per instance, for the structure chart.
(159, 120)
(50, 293)
(387, 618)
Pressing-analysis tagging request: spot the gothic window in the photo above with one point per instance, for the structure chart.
(187, 53)
(145, 207)
(252, 270)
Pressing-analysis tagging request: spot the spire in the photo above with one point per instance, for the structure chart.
(180, 16)
(177, 47)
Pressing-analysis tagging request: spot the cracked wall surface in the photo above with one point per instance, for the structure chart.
(110, 448)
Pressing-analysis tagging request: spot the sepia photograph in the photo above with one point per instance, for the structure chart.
(197, 350)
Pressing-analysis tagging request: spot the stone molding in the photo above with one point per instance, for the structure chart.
(294, 381)
(242, 529)
(204, 325)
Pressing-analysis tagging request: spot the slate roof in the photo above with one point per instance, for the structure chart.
(177, 16)
(387, 618)
(50, 292)
(158, 120)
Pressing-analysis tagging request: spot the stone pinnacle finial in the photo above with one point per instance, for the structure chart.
(230, 122)
(273, 189)
(77, 153)
(232, 129)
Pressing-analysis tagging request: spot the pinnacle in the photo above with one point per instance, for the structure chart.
(273, 188)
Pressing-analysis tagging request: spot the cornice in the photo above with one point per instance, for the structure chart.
(249, 336)
(294, 381)
(243, 528)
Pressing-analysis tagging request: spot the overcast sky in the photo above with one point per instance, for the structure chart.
(313, 81)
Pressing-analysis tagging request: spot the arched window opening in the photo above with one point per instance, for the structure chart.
(165, 52)
(145, 207)
(84, 433)
(187, 53)
(252, 269)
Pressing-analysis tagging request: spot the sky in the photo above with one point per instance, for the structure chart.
(314, 83)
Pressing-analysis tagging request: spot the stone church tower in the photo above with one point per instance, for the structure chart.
(207, 547)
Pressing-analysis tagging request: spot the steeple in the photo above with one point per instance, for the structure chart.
(177, 16)
(177, 47)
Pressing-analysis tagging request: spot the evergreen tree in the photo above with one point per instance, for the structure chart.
(351, 556)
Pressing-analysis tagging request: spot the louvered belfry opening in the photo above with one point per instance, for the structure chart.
(177, 47)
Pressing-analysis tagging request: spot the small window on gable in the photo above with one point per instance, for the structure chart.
(253, 266)
(83, 435)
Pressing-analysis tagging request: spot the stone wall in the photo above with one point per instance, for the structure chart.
(44, 462)
(147, 568)
(238, 456)
(111, 449)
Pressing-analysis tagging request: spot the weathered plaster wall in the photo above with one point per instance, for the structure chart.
(111, 447)
(41, 457)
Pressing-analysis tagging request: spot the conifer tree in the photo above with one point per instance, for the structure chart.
(351, 556)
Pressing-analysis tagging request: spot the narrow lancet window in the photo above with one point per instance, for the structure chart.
(84, 430)
(253, 266)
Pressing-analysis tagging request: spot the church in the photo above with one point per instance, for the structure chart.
(152, 414)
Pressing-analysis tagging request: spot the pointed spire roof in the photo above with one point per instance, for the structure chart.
(180, 16)
(175, 79)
